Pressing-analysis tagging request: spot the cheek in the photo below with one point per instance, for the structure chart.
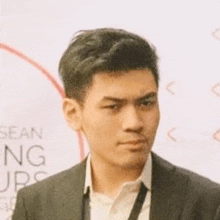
(99, 129)
(152, 120)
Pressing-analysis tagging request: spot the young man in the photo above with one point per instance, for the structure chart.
(111, 83)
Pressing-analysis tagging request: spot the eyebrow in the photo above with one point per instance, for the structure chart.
(114, 99)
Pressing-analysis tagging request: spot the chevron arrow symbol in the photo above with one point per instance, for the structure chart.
(216, 89)
(216, 34)
(216, 135)
(169, 134)
(168, 87)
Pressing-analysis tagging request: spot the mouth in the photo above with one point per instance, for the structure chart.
(134, 142)
(135, 145)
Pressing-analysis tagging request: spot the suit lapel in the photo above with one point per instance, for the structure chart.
(217, 215)
(69, 196)
(167, 199)
(168, 191)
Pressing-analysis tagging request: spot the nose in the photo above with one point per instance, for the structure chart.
(132, 120)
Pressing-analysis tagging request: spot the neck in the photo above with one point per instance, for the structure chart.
(108, 178)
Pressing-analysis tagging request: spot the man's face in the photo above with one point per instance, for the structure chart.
(120, 117)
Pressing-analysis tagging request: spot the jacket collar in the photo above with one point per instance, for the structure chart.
(168, 191)
(70, 193)
(145, 177)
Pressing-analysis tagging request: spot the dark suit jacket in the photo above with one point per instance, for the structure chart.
(177, 194)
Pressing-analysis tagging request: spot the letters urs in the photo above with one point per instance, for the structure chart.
(22, 161)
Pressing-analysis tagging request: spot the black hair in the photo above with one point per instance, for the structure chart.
(103, 50)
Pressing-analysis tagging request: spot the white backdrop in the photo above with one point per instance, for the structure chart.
(35, 141)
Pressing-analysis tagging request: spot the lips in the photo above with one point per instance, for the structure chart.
(134, 142)
(134, 145)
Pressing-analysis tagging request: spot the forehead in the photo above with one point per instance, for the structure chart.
(130, 84)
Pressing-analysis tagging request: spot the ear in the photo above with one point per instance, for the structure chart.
(72, 113)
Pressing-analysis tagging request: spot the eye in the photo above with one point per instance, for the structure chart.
(147, 103)
(113, 107)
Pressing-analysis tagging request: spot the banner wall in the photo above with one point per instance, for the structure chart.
(36, 142)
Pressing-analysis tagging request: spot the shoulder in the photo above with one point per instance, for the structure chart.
(193, 182)
(190, 193)
(46, 197)
(56, 182)
(203, 188)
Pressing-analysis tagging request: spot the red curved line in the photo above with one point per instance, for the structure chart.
(50, 78)
(35, 64)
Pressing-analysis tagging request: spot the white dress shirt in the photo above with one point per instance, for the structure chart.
(103, 207)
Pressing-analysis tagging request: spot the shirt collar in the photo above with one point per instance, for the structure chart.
(145, 176)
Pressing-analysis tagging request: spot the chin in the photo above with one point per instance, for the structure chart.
(135, 163)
